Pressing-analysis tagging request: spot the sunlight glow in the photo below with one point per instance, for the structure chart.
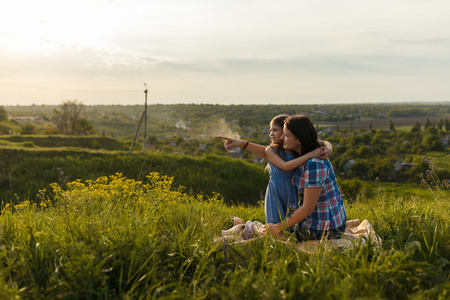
(46, 26)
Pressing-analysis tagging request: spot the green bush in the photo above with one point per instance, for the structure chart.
(353, 189)
(28, 129)
(28, 144)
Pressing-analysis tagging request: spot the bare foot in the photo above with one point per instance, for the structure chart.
(352, 223)
(237, 220)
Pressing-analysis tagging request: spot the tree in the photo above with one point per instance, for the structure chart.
(431, 140)
(28, 129)
(363, 152)
(427, 123)
(83, 126)
(416, 127)
(391, 125)
(68, 116)
(3, 114)
(241, 121)
(440, 124)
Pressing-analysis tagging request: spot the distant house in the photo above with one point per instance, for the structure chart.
(400, 165)
(22, 120)
(235, 152)
(258, 160)
(348, 164)
(181, 125)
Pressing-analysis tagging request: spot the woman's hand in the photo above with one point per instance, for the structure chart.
(231, 143)
(272, 229)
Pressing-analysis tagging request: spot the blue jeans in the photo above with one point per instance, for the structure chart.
(305, 234)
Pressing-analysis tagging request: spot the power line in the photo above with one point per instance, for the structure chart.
(69, 90)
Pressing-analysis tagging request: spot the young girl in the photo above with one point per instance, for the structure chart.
(281, 195)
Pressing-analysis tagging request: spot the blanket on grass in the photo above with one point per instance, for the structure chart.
(356, 233)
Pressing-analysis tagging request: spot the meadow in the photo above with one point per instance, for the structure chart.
(72, 227)
(120, 238)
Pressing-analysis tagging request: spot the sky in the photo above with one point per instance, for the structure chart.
(224, 51)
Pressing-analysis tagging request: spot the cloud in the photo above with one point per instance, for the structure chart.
(327, 64)
(427, 41)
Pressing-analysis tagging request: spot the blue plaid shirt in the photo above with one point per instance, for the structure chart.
(330, 212)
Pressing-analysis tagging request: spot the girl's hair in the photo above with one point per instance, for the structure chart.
(279, 120)
(302, 127)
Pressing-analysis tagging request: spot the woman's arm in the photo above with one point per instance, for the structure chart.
(274, 158)
(310, 198)
(256, 149)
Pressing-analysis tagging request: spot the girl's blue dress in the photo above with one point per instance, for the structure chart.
(281, 198)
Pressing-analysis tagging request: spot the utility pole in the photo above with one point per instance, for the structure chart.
(143, 117)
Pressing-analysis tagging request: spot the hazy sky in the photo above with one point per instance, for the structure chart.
(224, 51)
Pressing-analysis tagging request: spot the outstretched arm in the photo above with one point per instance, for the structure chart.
(274, 158)
(256, 149)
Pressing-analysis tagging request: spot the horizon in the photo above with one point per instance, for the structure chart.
(280, 104)
(224, 52)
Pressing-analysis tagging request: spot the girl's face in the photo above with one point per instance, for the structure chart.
(290, 141)
(275, 133)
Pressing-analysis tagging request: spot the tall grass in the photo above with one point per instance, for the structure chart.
(119, 238)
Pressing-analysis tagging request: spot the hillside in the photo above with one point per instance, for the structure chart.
(371, 143)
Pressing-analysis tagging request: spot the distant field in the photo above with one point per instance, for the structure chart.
(117, 129)
(440, 159)
(401, 190)
(404, 123)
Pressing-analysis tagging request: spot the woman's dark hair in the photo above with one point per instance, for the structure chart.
(279, 120)
(302, 127)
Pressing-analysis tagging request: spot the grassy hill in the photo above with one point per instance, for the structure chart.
(24, 172)
(117, 238)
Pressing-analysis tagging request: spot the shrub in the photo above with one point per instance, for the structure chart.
(353, 189)
(28, 129)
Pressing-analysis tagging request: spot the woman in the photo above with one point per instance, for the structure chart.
(281, 195)
(321, 212)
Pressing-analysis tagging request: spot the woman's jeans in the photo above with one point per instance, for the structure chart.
(305, 234)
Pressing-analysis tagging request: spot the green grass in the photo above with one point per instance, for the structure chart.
(117, 238)
(440, 159)
(402, 190)
(403, 128)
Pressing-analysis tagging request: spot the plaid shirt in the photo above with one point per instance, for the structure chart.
(330, 211)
